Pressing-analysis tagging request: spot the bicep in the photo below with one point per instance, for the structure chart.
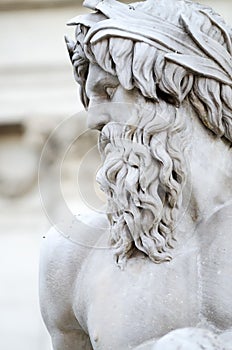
(58, 272)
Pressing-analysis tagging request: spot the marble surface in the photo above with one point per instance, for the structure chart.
(155, 274)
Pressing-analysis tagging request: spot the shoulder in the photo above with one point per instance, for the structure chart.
(219, 222)
(70, 243)
(64, 249)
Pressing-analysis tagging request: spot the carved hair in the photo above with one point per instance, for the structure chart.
(143, 175)
(177, 52)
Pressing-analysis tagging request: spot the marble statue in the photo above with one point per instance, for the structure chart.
(155, 271)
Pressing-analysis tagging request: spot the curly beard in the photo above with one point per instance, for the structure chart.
(143, 175)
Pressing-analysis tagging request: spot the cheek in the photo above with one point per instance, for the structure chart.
(125, 96)
(124, 105)
(123, 112)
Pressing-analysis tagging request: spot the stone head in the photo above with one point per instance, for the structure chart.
(143, 69)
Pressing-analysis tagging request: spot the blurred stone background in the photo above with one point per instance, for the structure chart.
(37, 93)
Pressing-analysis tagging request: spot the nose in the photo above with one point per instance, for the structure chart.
(98, 115)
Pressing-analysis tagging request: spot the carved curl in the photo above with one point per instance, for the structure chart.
(168, 56)
(143, 175)
(173, 60)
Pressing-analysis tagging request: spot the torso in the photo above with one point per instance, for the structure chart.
(158, 298)
(121, 309)
(215, 241)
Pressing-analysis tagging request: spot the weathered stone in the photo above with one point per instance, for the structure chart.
(156, 79)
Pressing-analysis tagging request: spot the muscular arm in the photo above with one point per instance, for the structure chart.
(60, 263)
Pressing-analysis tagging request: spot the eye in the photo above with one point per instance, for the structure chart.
(110, 91)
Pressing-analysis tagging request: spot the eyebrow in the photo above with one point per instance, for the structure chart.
(95, 86)
(99, 82)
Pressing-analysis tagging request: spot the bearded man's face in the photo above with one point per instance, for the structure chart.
(143, 172)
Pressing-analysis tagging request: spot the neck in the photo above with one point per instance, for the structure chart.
(209, 185)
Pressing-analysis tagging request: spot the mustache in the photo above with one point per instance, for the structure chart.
(152, 119)
(126, 157)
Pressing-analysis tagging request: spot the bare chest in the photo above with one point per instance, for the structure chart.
(122, 309)
(215, 274)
